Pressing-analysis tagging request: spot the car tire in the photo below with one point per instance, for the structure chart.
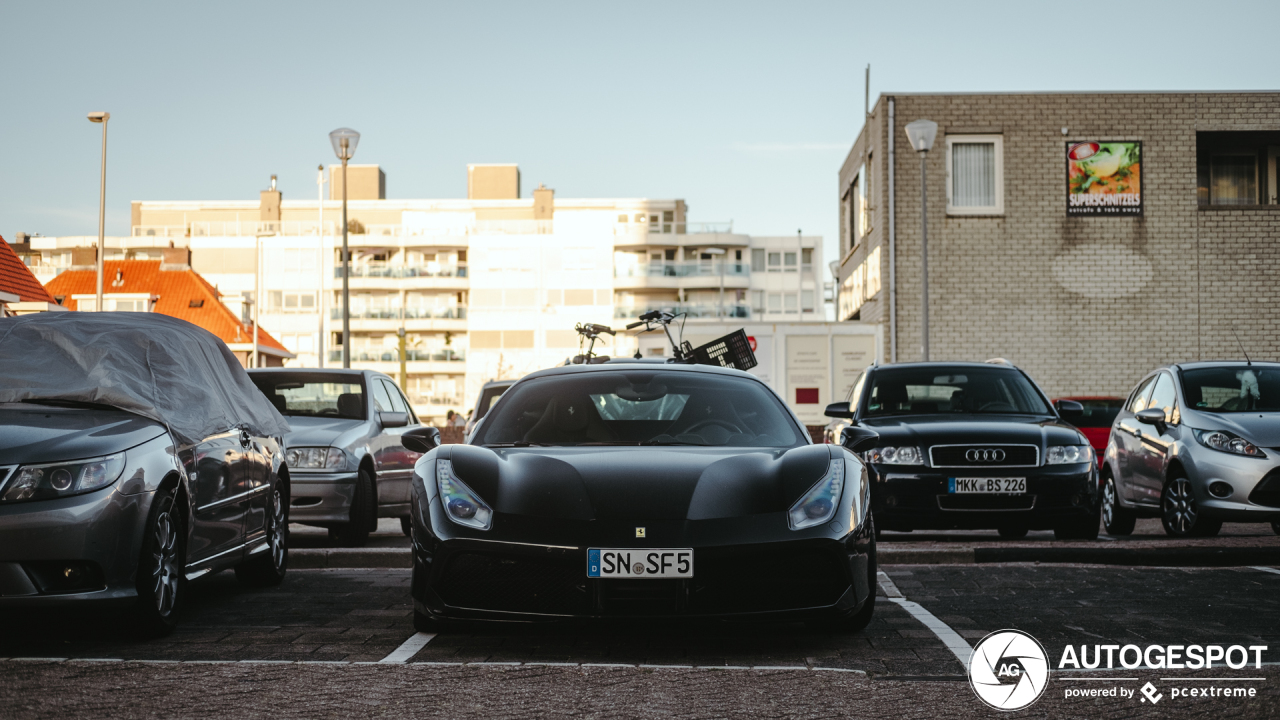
(267, 568)
(1117, 520)
(1012, 532)
(1180, 513)
(406, 526)
(162, 568)
(1081, 528)
(364, 514)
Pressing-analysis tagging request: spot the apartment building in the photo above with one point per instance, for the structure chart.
(485, 287)
(1087, 237)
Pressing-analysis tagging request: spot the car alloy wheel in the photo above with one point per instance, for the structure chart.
(164, 568)
(1180, 512)
(276, 533)
(267, 567)
(1115, 518)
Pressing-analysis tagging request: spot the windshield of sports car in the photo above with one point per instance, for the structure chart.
(640, 408)
(959, 390)
(1232, 389)
(313, 394)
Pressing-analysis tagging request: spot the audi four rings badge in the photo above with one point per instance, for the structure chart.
(984, 455)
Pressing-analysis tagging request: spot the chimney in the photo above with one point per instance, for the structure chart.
(269, 210)
(493, 182)
(544, 202)
(84, 258)
(175, 258)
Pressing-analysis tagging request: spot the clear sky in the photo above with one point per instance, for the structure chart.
(744, 109)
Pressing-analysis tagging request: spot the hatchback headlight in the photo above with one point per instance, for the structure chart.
(1068, 454)
(315, 458)
(460, 502)
(906, 455)
(1228, 442)
(51, 480)
(819, 504)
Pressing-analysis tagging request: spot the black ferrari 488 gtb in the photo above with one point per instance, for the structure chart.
(641, 489)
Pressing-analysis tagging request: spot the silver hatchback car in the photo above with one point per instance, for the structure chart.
(1196, 444)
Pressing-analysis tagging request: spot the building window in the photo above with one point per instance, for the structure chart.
(868, 214)
(791, 302)
(975, 175)
(757, 302)
(1237, 168)
(806, 259)
(846, 239)
(855, 211)
(775, 302)
(789, 262)
(775, 262)
(806, 301)
(757, 261)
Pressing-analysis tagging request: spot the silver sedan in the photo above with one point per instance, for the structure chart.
(1196, 444)
(349, 467)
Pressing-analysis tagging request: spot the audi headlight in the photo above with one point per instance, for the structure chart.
(1228, 442)
(1068, 454)
(315, 458)
(460, 502)
(51, 480)
(906, 455)
(819, 504)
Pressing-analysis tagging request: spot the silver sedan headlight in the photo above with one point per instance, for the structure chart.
(315, 458)
(60, 479)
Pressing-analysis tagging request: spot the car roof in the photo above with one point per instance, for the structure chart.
(316, 371)
(1219, 363)
(947, 364)
(639, 365)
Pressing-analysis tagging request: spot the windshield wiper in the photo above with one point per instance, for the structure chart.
(518, 443)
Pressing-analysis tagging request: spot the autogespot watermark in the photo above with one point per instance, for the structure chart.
(1009, 670)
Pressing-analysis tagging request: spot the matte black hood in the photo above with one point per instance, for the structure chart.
(926, 431)
(650, 483)
(32, 433)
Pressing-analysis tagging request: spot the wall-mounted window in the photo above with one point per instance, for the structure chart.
(789, 262)
(846, 213)
(291, 302)
(806, 301)
(757, 260)
(806, 259)
(867, 211)
(775, 262)
(757, 302)
(975, 175)
(1237, 168)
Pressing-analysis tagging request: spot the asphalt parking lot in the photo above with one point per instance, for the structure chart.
(342, 642)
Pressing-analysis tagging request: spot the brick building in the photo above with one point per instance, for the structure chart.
(1157, 239)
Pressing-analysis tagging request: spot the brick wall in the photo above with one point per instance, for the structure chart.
(1085, 304)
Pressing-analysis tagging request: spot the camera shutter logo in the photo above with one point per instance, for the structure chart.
(1009, 670)
(985, 455)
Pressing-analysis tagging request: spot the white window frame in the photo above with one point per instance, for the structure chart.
(998, 141)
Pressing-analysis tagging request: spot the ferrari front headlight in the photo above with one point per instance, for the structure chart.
(51, 480)
(818, 505)
(460, 502)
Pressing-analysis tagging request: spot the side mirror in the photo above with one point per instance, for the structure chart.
(421, 439)
(1069, 409)
(393, 419)
(1151, 416)
(859, 439)
(839, 410)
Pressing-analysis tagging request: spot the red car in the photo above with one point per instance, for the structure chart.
(1099, 414)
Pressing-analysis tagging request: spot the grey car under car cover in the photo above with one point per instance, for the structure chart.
(149, 364)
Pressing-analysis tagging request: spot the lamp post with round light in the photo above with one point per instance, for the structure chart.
(921, 134)
(344, 144)
(101, 117)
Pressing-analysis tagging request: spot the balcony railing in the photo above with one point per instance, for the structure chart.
(394, 356)
(690, 268)
(395, 270)
(433, 313)
(237, 228)
(742, 312)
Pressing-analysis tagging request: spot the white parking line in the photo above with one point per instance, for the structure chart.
(956, 644)
(1267, 569)
(408, 649)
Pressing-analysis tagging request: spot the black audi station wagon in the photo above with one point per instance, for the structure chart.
(973, 445)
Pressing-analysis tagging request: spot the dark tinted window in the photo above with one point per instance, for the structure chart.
(1232, 389)
(313, 394)
(1099, 412)
(603, 408)
(932, 390)
(488, 398)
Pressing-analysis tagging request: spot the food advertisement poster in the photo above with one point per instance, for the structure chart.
(1104, 178)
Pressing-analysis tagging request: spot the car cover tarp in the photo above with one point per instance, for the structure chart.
(153, 365)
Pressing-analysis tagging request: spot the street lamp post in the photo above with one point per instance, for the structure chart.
(715, 252)
(101, 117)
(320, 265)
(344, 144)
(921, 134)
